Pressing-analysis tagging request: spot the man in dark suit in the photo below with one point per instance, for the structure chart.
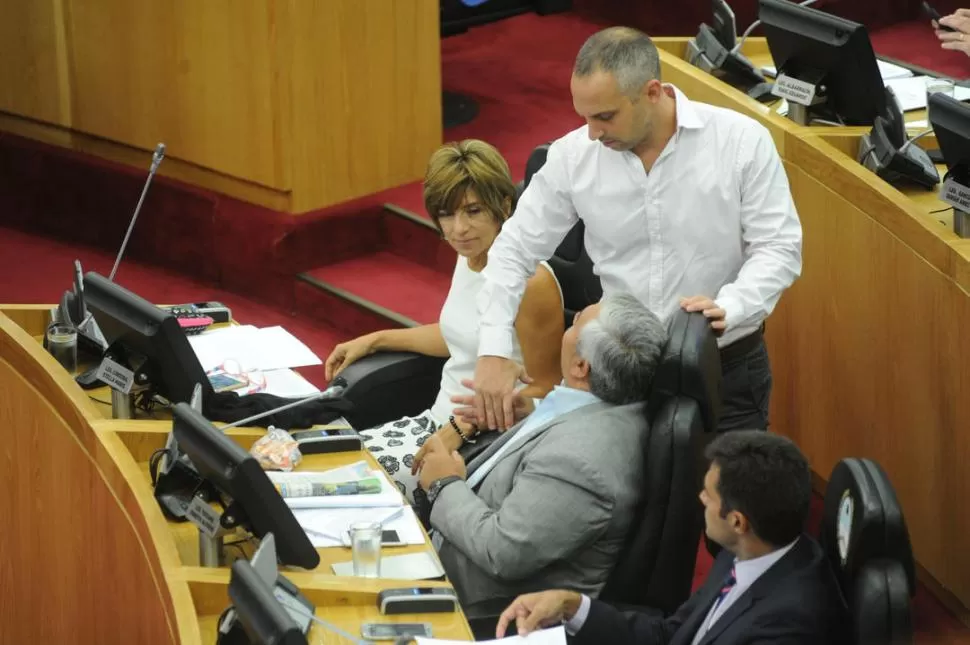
(770, 584)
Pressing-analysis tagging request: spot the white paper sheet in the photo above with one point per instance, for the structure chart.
(283, 349)
(553, 636)
(911, 92)
(327, 527)
(253, 349)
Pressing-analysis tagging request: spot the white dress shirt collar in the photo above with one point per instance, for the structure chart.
(746, 572)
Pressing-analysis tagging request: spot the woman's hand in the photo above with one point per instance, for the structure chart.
(958, 40)
(346, 353)
(448, 437)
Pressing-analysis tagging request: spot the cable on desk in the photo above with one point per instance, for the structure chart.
(941, 210)
(97, 400)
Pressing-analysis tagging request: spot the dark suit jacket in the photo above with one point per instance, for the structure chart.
(795, 602)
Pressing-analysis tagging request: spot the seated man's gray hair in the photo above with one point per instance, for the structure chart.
(623, 347)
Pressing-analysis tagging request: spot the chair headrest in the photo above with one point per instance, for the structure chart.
(536, 160)
(863, 521)
(691, 367)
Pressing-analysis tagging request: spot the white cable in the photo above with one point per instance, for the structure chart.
(754, 25)
(910, 142)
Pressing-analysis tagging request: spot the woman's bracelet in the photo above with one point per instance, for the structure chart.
(454, 424)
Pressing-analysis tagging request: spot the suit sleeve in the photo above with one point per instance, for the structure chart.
(606, 624)
(557, 506)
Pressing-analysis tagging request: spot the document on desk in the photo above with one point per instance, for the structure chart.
(389, 496)
(252, 349)
(552, 636)
(327, 527)
(911, 92)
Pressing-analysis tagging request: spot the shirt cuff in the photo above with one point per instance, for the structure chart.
(733, 311)
(574, 624)
(496, 341)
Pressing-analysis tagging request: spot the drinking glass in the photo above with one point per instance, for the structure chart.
(365, 541)
(62, 345)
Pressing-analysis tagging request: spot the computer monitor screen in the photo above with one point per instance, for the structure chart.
(951, 123)
(238, 476)
(825, 50)
(145, 337)
(263, 618)
(723, 24)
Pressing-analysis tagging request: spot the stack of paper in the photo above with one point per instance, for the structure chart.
(266, 349)
(911, 92)
(328, 527)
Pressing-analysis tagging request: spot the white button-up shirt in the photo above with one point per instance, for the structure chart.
(714, 216)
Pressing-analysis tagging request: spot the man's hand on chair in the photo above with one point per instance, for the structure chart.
(522, 406)
(495, 381)
(709, 308)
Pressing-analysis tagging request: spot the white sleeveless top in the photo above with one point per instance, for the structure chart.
(459, 323)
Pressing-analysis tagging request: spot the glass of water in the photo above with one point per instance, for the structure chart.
(62, 345)
(365, 541)
(939, 86)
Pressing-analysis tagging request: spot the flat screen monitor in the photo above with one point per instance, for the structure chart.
(263, 618)
(951, 123)
(237, 476)
(826, 51)
(147, 339)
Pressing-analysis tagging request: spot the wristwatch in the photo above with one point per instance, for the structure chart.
(438, 485)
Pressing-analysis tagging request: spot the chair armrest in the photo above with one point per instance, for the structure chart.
(389, 385)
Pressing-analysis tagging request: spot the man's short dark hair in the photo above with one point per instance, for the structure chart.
(766, 478)
(626, 53)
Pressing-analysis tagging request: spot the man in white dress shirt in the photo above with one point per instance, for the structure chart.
(771, 584)
(685, 205)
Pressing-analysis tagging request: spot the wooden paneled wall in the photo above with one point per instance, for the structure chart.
(290, 104)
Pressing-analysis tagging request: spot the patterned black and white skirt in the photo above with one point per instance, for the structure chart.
(394, 445)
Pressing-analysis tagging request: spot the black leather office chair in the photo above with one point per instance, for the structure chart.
(657, 567)
(390, 385)
(865, 538)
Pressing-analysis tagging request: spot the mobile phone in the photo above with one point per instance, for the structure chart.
(391, 631)
(935, 16)
(222, 382)
(389, 537)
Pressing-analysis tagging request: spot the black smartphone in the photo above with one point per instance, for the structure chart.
(935, 16)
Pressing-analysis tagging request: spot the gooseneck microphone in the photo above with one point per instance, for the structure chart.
(156, 161)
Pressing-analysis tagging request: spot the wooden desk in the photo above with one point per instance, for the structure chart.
(869, 347)
(86, 555)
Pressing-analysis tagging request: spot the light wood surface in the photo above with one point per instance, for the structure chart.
(291, 105)
(88, 557)
(869, 348)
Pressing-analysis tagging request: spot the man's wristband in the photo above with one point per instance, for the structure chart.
(454, 424)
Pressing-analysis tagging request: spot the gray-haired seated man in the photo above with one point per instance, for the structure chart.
(549, 504)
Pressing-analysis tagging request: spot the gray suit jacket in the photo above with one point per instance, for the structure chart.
(554, 512)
